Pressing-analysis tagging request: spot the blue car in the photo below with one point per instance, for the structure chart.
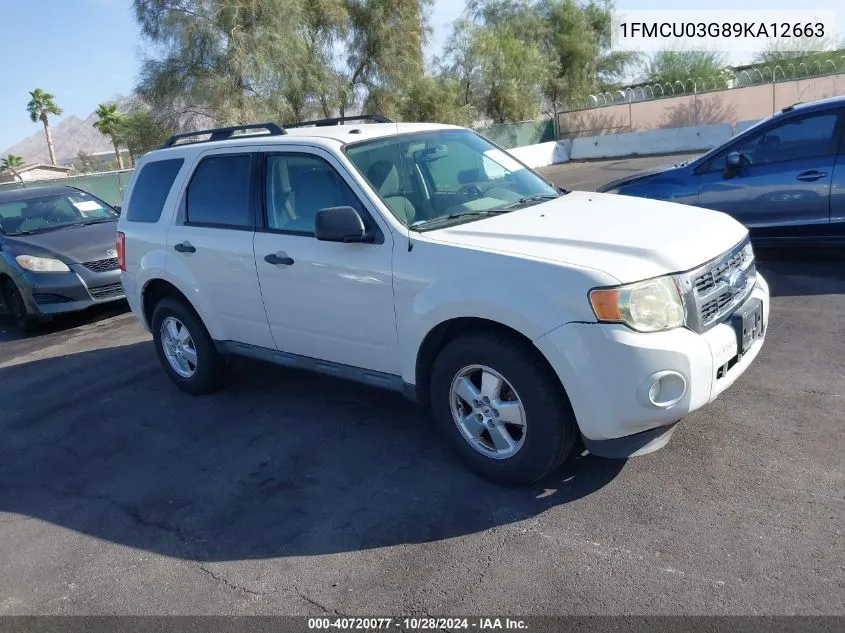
(783, 178)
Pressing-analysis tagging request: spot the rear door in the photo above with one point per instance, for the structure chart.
(784, 188)
(212, 240)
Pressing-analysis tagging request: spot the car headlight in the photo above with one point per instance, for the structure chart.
(646, 306)
(41, 264)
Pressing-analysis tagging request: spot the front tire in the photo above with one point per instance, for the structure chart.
(501, 408)
(185, 348)
(17, 308)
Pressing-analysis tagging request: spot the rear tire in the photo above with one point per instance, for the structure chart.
(185, 349)
(541, 429)
(17, 308)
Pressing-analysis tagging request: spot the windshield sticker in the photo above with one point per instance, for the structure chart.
(503, 159)
(87, 206)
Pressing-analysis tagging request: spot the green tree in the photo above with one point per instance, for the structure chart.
(437, 100)
(576, 46)
(12, 163)
(227, 60)
(141, 132)
(40, 106)
(686, 67)
(109, 121)
(239, 61)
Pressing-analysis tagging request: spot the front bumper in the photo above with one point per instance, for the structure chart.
(46, 294)
(607, 370)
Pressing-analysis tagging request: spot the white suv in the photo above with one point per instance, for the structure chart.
(424, 259)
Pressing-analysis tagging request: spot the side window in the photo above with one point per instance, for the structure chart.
(219, 192)
(297, 186)
(794, 139)
(151, 189)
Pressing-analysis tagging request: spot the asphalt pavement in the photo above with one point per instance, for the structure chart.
(290, 493)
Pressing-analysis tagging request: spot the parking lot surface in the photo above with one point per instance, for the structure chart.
(290, 493)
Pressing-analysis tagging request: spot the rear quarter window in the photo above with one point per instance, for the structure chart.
(151, 188)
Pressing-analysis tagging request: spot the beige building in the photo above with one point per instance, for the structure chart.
(35, 172)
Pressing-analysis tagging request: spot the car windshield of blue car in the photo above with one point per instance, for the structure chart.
(433, 178)
(53, 212)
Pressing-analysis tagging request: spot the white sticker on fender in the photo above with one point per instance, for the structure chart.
(723, 344)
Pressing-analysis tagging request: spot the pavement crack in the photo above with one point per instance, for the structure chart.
(230, 585)
(317, 604)
(133, 513)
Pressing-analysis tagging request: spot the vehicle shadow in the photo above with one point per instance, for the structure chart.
(280, 463)
(801, 271)
(61, 322)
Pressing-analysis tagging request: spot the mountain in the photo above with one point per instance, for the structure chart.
(70, 136)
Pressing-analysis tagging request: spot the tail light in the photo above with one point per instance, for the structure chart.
(121, 250)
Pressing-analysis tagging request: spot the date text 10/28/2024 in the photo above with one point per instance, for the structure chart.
(415, 624)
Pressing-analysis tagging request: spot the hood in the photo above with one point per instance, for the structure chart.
(72, 245)
(628, 238)
(644, 174)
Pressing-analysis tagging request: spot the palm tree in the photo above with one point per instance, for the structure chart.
(108, 122)
(39, 107)
(12, 163)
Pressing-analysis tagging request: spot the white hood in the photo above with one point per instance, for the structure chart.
(628, 238)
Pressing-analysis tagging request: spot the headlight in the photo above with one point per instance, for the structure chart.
(41, 264)
(645, 306)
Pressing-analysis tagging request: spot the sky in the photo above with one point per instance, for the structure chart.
(86, 52)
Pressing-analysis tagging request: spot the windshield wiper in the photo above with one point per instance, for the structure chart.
(457, 215)
(537, 197)
(90, 222)
(45, 229)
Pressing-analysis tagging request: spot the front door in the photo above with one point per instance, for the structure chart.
(784, 182)
(325, 300)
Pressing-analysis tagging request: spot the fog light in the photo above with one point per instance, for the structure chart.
(663, 389)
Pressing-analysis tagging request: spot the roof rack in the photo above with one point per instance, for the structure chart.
(375, 118)
(223, 133)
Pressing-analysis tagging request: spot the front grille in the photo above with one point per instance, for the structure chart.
(712, 308)
(709, 293)
(102, 265)
(707, 281)
(107, 292)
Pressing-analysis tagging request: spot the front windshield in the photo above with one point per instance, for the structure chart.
(428, 179)
(49, 213)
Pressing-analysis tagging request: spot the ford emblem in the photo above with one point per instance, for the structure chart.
(736, 280)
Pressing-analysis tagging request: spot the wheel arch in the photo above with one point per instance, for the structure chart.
(446, 331)
(155, 290)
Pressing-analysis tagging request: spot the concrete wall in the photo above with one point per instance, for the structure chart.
(683, 139)
(733, 107)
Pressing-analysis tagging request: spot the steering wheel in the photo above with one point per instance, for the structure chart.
(469, 192)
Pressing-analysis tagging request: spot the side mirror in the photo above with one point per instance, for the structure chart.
(340, 224)
(734, 160)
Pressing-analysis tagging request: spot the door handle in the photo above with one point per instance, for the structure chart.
(809, 176)
(279, 258)
(184, 247)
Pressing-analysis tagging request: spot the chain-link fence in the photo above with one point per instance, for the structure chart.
(738, 78)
